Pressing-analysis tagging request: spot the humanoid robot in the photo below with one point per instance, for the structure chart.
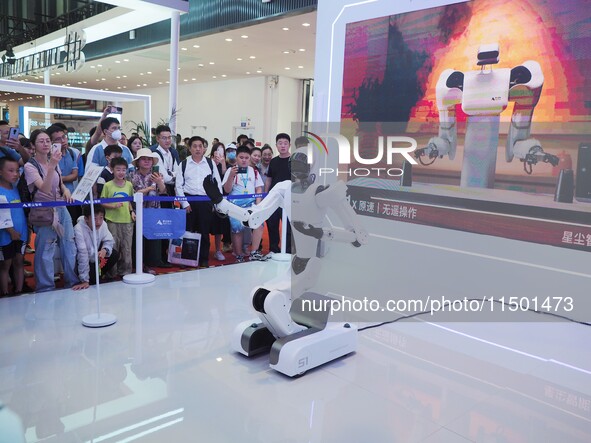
(484, 94)
(298, 340)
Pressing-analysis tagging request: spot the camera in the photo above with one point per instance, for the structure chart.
(116, 110)
(56, 147)
(155, 169)
(242, 170)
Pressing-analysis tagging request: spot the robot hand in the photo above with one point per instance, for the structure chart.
(437, 147)
(530, 152)
(210, 185)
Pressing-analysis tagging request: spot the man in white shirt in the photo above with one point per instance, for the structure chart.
(189, 182)
(111, 129)
(169, 156)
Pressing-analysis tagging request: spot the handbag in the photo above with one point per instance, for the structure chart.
(41, 216)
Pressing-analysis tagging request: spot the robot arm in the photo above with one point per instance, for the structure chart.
(334, 197)
(525, 84)
(448, 93)
(255, 216)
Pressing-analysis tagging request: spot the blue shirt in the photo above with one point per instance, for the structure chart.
(19, 221)
(68, 162)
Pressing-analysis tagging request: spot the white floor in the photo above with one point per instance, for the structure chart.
(164, 371)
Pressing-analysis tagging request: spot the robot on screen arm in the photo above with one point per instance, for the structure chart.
(298, 340)
(484, 94)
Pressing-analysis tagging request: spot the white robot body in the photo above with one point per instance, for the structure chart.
(486, 92)
(298, 341)
(484, 95)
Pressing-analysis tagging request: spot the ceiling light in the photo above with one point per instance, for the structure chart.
(212, 63)
(82, 82)
(286, 52)
(125, 59)
(259, 71)
(58, 73)
(285, 29)
(244, 36)
(214, 76)
(138, 86)
(52, 75)
(185, 80)
(125, 76)
(302, 50)
(252, 57)
(100, 66)
(224, 75)
(118, 87)
(144, 84)
(201, 65)
(117, 61)
(149, 72)
(159, 83)
(228, 39)
(196, 46)
(183, 49)
(247, 72)
(92, 66)
(287, 68)
(167, 82)
(141, 73)
(168, 69)
(103, 79)
(98, 80)
(193, 79)
(124, 87)
(300, 67)
(239, 59)
(118, 76)
(306, 24)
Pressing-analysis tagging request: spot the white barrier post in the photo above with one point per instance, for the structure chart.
(98, 320)
(139, 277)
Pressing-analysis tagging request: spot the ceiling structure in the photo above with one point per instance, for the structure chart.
(281, 47)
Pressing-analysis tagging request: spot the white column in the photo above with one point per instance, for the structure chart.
(47, 97)
(175, 30)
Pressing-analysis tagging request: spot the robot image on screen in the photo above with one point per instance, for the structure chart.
(484, 94)
(298, 339)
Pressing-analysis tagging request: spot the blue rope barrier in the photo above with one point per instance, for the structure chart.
(53, 204)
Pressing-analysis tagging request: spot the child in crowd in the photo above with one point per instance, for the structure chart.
(12, 239)
(120, 215)
(84, 238)
(242, 179)
(111, 152)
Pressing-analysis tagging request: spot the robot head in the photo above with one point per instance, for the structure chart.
(488, 54)
(300, 168)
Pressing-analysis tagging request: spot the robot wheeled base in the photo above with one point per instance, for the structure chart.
(295, 354)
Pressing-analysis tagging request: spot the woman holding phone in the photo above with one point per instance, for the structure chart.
(147, 179)
(52, 226)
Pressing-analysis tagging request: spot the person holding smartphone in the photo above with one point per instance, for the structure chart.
(243, 179)
(148, 180)
(10, 145)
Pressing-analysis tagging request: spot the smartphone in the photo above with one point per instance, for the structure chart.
(242, 170)
(155, 169)
(55, 147)
(13, 134)
(116, 110)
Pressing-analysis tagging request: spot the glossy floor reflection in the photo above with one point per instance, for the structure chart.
(164, 373)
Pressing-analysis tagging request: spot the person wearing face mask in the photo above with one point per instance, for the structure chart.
(111, 129)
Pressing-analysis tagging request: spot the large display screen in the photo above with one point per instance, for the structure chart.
(497, 97)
